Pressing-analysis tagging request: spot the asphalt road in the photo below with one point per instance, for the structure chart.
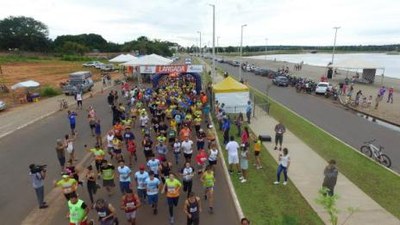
(343, 124)
(36, 144)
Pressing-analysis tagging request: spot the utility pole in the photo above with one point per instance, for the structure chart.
(241, 45)
(200, 44)
(213, 42)
(334, 43)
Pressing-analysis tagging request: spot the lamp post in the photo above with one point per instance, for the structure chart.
(334, 43)
(266, 44)
(200, 50)
(241, 44)
(213, 42)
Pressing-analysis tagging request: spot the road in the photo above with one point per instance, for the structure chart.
(343, 124)
(36, 144)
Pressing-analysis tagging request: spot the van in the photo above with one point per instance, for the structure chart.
(78, 82)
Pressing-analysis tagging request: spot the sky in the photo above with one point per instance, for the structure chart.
(282, 22)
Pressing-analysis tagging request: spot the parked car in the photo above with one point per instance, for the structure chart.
(236, 63)
(78, 82)
(98, 65)
(3, 105)
(280, 81)
(107, 68)
(188, 61)
(322, 88)
(91, 64)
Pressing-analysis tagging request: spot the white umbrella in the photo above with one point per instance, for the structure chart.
(25, 84)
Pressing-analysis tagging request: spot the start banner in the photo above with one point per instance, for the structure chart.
(171, 69)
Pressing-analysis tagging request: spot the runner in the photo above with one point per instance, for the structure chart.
(172, 186)
(69, 143)
(91, 183)
(147, 144)
(154, 165)
(72, 121)
(78, 98)
(124, 174)
(130, 202)
(99, 155)
(107, 173)
(208, 181)
(91, 119)
(60, 149)
(78, 211)
(210, 136)
(192, 209)
(117, 148)
(152, 188)
(201, 159)
(187, 174)
(131, 148)
(106, 212)
(201, 136)
(177, 146)
(162, 151)
(165, 169)
(110, 145)
(187, 148)
(97, 132)
(140, 178)
(213, 156)
(68, 185)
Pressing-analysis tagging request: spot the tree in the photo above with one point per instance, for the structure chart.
(23, 33)
(73, 48)
(91, 41)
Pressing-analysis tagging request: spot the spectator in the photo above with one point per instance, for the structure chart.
(331, 174)
(390, 96)
(249, 110)
(284, 163)
(233, 155)
(279, 131)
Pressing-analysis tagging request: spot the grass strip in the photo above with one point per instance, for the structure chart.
(381, 184)
(263, 202)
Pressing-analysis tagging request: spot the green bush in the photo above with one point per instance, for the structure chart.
(48, 91)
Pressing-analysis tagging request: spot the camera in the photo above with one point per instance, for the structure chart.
(37, 168)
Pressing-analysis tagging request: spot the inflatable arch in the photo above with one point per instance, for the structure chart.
(196, 76)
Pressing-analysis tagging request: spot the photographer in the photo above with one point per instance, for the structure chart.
(38, 173)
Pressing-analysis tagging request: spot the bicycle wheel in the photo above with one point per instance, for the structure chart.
(385, 160)
(366, 150)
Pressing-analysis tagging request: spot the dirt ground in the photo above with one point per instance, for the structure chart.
(48, 72)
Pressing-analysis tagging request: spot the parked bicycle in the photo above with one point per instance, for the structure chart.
(63, 104)
(376, 153)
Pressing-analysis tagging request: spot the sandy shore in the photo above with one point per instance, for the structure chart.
(385, 110)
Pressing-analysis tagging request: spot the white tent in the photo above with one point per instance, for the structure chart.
(25, 84)
(122, 58)
(152, 59)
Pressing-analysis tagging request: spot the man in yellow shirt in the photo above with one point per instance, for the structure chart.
(68, 185)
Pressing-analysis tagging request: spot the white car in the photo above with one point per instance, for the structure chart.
(3, 105)
(322, 87)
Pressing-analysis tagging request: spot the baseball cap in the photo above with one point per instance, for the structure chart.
(141, 167)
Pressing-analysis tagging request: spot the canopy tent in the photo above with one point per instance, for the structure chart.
(368, 68)
(233, 94)
(25, 84)
(152, 59)
(122, 58)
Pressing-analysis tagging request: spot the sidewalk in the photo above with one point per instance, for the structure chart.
(306, 173)
(16, 118)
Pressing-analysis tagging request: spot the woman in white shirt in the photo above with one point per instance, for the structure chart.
(284, 163)
(213, 156)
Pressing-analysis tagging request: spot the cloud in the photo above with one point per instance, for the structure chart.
(284, 22)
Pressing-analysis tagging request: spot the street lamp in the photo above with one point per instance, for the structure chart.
(200, 43)
(266, 44)
(334, 43)
(213, 42)
(241, 44)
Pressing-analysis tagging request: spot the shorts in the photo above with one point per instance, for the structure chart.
(81, 223)
(152, 199)
(117, 151)
(142, 193)
(172, 201)
(92, 126)
(187, 156)
(68, 195)
(148, 154)
(233, 159)
(124, 186)
(130, 215)
(209, 188)
(108, 183)
(62, 160)
(72, 125)
(257, 153)
(210, 162)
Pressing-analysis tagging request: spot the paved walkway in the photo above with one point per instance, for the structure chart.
(306, 173)
(16, 118)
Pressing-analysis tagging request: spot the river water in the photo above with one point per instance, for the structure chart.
(391, 63)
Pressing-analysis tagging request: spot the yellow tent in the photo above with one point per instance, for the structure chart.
(229, 85)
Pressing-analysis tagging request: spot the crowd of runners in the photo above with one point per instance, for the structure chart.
(164, 133)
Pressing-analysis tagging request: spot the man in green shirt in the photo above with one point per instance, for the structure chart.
(77, 211)
(108, 174)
